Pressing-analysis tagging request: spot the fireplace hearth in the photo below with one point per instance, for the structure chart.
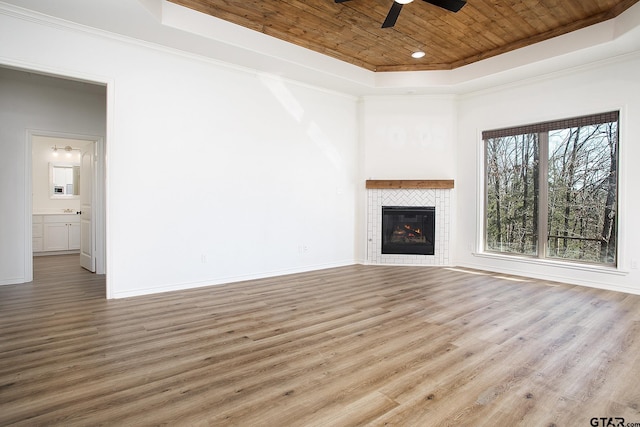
(408, 230)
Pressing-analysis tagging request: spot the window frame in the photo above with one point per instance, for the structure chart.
(542, 130)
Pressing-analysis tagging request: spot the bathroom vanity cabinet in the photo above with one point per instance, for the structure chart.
(56, 232)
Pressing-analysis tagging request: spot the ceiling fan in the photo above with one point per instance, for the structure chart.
(396, 7)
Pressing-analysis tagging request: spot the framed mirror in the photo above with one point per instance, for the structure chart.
(64, 180)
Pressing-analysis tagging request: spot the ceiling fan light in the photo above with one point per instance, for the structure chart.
(418, 54)
(403, 1)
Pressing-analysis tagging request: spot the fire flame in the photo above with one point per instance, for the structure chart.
(416, 231)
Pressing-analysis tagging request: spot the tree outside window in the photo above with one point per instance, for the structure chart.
(551, 189)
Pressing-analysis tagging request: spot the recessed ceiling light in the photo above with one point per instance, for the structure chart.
(419, 54)
(404, 1)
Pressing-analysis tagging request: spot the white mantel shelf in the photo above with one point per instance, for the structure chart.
(393, 184)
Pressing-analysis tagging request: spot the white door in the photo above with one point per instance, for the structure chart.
(87, 227)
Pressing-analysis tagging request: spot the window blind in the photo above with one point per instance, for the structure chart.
(594, 119)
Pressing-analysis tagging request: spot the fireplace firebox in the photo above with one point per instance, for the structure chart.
(408, 230)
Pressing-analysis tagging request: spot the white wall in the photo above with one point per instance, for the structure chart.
(213, 173)
(409, 137)
(606, 86)
(32, 102)
(204, 158)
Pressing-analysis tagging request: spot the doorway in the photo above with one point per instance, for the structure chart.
(38, 102)
(64, 196)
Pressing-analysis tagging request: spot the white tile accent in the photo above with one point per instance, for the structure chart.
(377, 198)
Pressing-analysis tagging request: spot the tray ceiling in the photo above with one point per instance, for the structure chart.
(351, 31)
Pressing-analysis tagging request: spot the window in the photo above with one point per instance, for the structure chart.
(551, 189)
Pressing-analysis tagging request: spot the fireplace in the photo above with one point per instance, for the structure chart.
(408, 230)
(409, 193)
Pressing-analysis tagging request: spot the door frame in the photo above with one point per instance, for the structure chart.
(98, 205)
(102, 168)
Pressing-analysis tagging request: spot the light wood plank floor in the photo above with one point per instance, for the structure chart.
(351, 346)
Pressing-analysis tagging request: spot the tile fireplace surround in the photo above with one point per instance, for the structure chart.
(435, 193)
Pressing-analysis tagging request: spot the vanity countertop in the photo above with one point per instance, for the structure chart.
(60, 212)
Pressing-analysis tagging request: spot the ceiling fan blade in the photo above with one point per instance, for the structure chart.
(452, 5)
(392, 16)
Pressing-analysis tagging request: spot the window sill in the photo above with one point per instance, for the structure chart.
(554, 263)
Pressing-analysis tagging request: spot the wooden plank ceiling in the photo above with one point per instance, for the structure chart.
(351, 31)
